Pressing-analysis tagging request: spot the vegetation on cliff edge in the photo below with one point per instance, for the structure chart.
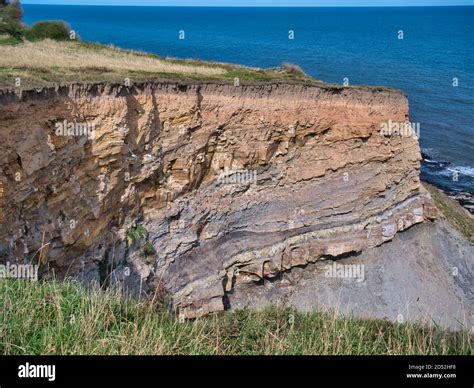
(50, 62)
(13, 31)
(65, 318)
(454, 213)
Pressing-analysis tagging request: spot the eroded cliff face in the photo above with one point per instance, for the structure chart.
(231, 184)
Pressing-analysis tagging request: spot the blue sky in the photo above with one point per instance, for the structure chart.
(325, 3)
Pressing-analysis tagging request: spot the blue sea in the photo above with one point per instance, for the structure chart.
(330, 44)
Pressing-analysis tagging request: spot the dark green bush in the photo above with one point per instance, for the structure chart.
(10, 24)
(10, 18)
(57, 30)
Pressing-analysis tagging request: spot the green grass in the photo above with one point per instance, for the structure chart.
(454, 213)
(65, 318)
(137, 234)
(9, 40)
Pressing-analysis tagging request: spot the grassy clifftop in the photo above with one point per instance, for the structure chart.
(48, 62)
(45, 63)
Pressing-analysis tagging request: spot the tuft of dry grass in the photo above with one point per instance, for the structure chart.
(291, 68)
(65, 318)
(48, 54)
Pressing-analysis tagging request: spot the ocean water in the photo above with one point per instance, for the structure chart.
(330, 44)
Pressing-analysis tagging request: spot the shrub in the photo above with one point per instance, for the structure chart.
(10, 18)
(10, 23)
(12, 10)
(56, 30)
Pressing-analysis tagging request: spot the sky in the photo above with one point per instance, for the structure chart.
(322, 3)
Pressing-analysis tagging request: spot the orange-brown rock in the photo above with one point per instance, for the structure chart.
(232, 184)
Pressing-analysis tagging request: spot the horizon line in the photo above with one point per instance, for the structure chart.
(255, 6)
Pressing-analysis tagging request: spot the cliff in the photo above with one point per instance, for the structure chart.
(201, 186)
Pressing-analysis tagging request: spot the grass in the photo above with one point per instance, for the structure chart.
(65, 318)
(7, 40)
(49, 62)
(137, 234)
(454, 213)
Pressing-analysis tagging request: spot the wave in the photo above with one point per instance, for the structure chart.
(461, 170)
(444, 167)
(446, 175)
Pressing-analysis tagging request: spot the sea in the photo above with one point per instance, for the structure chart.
(427, 52)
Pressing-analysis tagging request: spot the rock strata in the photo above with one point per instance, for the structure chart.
(202, 186)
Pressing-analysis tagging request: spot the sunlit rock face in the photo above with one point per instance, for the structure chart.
(198, 187)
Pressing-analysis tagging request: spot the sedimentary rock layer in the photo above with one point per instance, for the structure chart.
(231, 184)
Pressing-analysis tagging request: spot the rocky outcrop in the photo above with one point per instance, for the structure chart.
(423, 275)
(199, 187)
